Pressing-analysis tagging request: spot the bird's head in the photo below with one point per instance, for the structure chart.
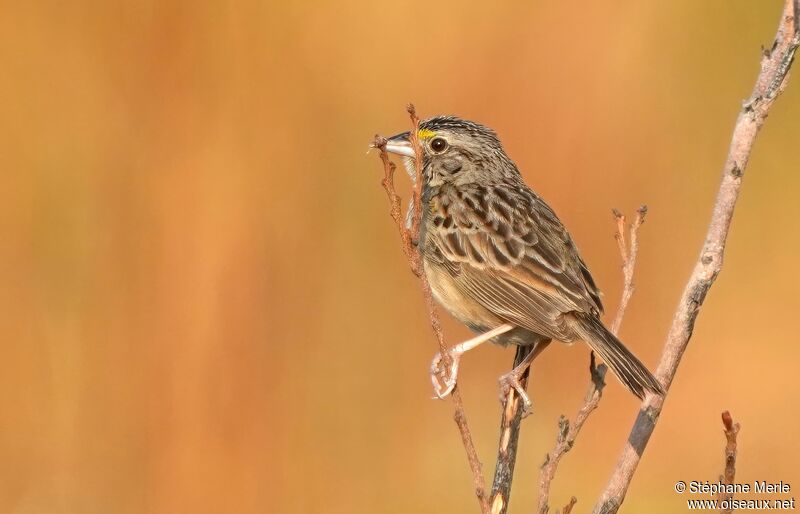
(455, 151)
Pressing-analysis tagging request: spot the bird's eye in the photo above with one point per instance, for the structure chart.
(438, 145)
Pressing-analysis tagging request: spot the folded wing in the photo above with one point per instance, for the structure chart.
(506, 249)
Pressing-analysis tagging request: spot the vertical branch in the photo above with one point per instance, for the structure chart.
(510, 423)
(416, 211)
(731, 431)
(772, 80)
(409, 238)
(395, 211)
(568, 431)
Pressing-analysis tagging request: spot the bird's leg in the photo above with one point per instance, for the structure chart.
(455, 353)
(598, 373)
(511, 380)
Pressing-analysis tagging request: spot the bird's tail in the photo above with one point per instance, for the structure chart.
(628, 369)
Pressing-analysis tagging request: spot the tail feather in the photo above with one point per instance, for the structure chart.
(627, 368)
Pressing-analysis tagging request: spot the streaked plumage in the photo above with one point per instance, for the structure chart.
(495, 252)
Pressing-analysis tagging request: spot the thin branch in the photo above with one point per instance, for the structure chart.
(629, 254)
(416, 180)
(568, 431)
(731, 431)
(568, 507)
(408, 237)
(395, 211)
(772, 80)
(510, 422)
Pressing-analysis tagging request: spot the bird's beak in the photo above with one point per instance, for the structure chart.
(400, 145)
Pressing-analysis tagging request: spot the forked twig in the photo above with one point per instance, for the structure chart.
(568, 431)
(408, 236)
(629, 253)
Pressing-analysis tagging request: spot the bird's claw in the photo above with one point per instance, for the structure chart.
(511, 381)
(444, 386)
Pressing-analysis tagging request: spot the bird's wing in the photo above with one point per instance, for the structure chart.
(507, 250)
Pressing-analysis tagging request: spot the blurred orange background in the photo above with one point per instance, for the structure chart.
(205, 307)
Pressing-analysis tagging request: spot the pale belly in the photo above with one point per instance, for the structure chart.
(447, 293)
(479, 319)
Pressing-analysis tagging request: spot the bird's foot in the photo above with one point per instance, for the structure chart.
(444, 380)
(511, 380)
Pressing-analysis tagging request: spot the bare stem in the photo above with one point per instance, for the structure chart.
(510, 423)
(408, 237)
(629, 253)
(731, 431)
(568, 507)
(395, 210)
(771, 81)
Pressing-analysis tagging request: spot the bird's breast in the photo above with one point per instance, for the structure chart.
(447, 292)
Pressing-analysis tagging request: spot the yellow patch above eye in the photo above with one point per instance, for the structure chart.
(425, 134)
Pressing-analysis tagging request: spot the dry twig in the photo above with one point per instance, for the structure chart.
(629, 251)
(409, 236)
(731, 431)
(771, 81)
(512, 412)
(567, 432)
(568, 507)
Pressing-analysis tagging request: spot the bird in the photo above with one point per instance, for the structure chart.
(499, 260)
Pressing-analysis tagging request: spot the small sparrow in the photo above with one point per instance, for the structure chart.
(498, 258)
